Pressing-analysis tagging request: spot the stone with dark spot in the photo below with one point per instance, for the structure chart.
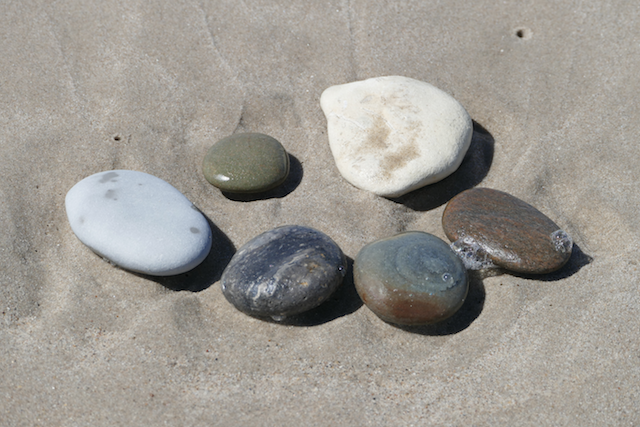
(412, 278)
(138, 222)
(509, 232)
(246, 163)
(282, 272)
(391, 135)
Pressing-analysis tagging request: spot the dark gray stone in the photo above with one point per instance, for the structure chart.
(413, 278)
(282, 272)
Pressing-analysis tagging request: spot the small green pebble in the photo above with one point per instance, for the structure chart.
(246, 163)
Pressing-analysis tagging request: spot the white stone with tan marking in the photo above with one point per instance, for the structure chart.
(392, 135)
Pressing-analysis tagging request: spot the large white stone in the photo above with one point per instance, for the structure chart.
(391, 135)
(139, 222)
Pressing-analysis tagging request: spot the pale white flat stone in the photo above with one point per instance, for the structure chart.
(138, 222)
(391, 135)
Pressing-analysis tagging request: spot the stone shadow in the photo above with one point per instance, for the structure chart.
(205, 274)
(468, 313)
(291, 183)
(474, 168)
(577, 260)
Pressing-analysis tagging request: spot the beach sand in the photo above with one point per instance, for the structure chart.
(89, 86)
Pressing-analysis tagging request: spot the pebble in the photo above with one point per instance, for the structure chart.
(246, 163)
(412, 278)
(392, 135)
(282, 272)
(138, 222)
(489, 224)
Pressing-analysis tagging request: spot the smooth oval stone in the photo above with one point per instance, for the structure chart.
(138, 222)
(246, 163)
(511, 233)
(282, 272)
(413, 278)
(392, 135)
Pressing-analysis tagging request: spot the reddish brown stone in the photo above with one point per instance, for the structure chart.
(514, 234)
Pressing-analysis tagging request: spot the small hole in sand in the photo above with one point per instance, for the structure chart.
(117, 138)
(524, 33)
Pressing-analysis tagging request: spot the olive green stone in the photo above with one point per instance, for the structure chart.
(413, 278)
(246, 163)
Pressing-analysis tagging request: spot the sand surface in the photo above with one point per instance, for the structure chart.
(88, 86)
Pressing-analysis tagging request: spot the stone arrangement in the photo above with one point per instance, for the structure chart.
(389, 136)
(246, 163)
(283, 272)
(139, 222)
(413, 278)
(392, 135)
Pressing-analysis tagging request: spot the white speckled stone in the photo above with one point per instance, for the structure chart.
(392, 135)
(138, 222)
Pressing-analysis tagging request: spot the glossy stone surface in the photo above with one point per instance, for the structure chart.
(246, 163)
(282, 272)
(138, 222)
(413, 278)
(511, 233)
(392, 135)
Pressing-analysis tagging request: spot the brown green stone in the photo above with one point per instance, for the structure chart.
(246, 163)
(412, 278)
(511, 233)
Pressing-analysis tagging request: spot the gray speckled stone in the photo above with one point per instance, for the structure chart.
(138, 222)
(282, 272)
(413, 278)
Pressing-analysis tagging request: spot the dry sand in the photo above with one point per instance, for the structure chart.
(88, 86)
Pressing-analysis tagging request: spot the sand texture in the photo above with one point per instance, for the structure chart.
(88, 86)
